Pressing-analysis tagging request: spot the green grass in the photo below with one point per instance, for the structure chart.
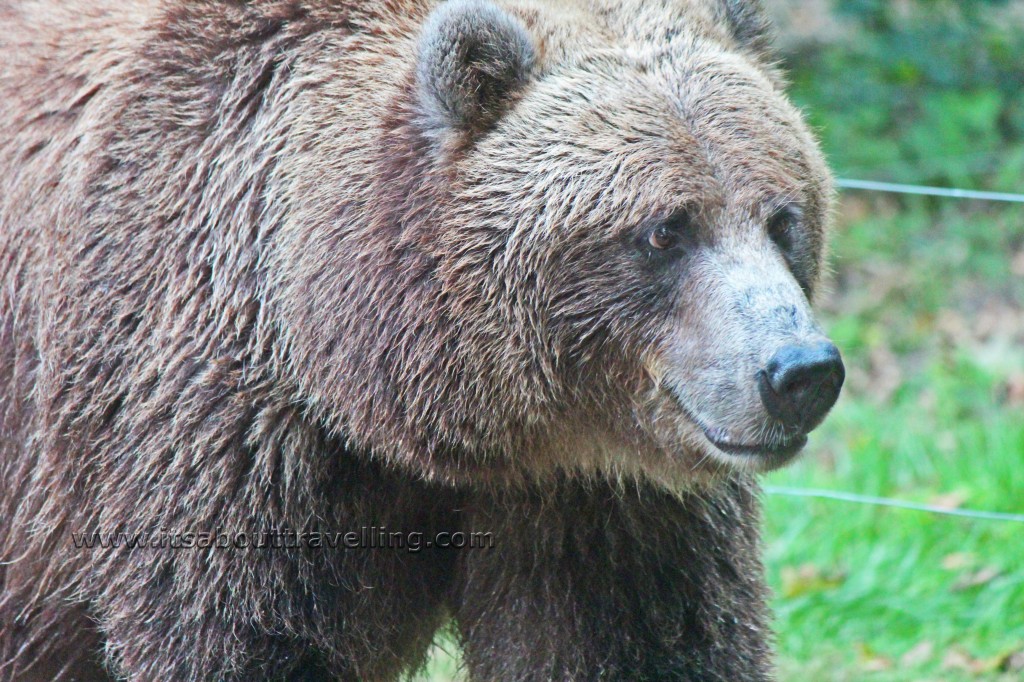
(859, 586)
(927, 308)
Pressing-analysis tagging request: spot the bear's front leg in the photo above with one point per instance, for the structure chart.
(590, 581)
(353, 594)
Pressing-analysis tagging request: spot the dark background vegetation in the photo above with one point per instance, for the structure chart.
(927, 303)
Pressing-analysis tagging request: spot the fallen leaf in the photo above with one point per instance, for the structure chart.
(1012, 663)
(958, 659)
(954, 326)
(806, 579)
(927, 400)
(886, 375)
(976, 578)
(1017, 264)
(945, 441)
(952, 500)
(921, 653)
(877, 665)
(870, 661)
(1014, 390)
(958, 560)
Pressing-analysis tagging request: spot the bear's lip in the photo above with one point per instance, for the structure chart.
(785, 448)
(762, 456)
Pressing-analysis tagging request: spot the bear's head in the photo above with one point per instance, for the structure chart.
(570, 237)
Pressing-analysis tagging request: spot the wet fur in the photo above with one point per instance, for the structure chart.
(243, 287)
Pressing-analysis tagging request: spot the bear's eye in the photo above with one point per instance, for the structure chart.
(668, 234)
(663, 238)
(784, 229)
(782, 226)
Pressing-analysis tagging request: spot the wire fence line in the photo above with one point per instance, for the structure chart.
(855, 498)
(892, 503)
(923, 190)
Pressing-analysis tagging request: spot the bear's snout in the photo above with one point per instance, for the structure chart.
(801, 383)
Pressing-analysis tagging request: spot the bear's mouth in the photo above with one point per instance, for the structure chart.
(763, 456)
(782, 448)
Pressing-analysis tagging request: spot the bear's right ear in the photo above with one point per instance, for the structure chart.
(749, 24)
(472, 57)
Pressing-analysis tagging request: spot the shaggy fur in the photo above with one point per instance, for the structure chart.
(310, 264)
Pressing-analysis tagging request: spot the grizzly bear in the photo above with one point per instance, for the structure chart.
(398, 271)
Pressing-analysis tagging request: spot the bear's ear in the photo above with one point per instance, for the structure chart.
(749, 24)
(472, 57)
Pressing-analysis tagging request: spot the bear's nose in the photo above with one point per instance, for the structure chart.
(801, 383)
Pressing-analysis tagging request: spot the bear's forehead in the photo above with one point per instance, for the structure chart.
(569, 28)
(592, 124)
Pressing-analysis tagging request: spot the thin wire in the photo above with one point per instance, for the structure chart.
(954, 193)
(890, 502)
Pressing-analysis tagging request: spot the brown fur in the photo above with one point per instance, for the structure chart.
(253, 276)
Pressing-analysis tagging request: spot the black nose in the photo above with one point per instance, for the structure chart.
(801, 383)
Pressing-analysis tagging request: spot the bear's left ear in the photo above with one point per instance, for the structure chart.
(749, 24)
(472, 57)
